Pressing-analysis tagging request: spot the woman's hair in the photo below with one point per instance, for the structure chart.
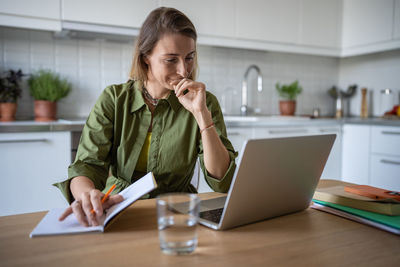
(162, 20)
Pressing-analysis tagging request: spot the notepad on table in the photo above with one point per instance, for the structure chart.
(50, 225)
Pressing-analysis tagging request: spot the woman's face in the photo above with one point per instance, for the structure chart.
(171, 60)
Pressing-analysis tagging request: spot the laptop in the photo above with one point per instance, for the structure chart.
(274, 177)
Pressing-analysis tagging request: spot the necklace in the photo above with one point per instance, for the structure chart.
(146, 94)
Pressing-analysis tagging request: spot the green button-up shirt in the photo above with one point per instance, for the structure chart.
(115, 132)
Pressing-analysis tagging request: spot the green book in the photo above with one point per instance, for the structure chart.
(391, 221)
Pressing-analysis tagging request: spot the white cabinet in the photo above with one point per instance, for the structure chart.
(123, 13)
(396, 20)
(38, 14)
(238, 135)
(320, 23)
(367, 22)
(369, 26)
(385, 157)
(30, 164)
(274, 20)
(333, 167)
(355, 157)
(371, 155)
(385, 171)
(211, 18)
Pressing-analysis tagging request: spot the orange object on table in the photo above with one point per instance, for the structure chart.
(372, 192)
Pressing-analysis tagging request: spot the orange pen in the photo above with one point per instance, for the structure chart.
(105, 196)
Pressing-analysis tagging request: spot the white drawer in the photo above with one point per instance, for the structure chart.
(385, 140)
(385, 172)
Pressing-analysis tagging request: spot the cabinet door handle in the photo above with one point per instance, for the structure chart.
(390, 162)
(287, 131)
(23, 140)
(329, 130)
(236, 134)
(390, 132)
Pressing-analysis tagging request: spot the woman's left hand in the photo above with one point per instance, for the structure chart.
(191, 94)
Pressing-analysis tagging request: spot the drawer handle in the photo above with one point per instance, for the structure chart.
(387, 132)
(230, 134)
(329, 130)
(287, 131)
(23, 140)
(390, 162)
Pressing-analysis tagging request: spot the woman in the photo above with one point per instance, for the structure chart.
(160, 121)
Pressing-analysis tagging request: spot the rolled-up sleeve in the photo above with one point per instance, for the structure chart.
(219, 185)
(95, 146)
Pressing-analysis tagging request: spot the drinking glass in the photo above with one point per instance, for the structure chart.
(178, 215)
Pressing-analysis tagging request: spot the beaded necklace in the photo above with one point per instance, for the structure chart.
(146, 94)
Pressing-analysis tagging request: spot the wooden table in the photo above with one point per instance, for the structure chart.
(307, 238)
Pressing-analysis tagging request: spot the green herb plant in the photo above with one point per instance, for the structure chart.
(46, 85)
(290, 91)
(10, 86)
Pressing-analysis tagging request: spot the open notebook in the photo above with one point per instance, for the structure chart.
(50, 225)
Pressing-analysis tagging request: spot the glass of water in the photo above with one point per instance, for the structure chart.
(178, 215)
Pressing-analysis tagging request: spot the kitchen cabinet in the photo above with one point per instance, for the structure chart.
(38, 14)
(368, 26)
(120, 13)
(396, 29)
(320, 23)
(385, 157)
(30, 163)
(367, 22)
(211, 18)
(337, 28)
(355, 157)
(274, 20)
(371, 155)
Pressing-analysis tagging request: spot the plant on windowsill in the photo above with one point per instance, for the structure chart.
(47, 88)
(10, 91)
(288, 93)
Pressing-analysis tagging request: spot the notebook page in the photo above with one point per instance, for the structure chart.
(50, 225)
(132, 193)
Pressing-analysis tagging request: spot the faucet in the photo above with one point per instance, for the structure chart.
(244, 108)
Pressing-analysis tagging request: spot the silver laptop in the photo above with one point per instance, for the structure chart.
(274, 177)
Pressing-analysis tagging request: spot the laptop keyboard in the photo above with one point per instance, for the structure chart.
(212, 215)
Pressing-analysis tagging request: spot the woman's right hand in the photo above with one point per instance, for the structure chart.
(86, 202)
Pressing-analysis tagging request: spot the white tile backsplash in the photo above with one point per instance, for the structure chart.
(374, 72)
(91, 65)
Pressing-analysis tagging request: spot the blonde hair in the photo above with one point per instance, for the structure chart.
(162, 20)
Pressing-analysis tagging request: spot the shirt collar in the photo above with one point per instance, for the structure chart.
(138, 100)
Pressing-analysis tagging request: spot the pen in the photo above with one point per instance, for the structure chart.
(105, 196)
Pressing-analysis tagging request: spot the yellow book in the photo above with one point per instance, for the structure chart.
(336, 194)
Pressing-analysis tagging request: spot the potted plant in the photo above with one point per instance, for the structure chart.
(288, 93)
(10, 91)
(47, 88)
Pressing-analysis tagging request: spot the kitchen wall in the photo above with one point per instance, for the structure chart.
(91, 65)
(375, 72)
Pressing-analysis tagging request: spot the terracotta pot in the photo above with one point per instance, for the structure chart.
(7, 111)
(45, 110)
(287, 107)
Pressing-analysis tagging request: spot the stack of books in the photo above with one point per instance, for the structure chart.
(331, 197)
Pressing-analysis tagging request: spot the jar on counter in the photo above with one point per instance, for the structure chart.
(387, 100)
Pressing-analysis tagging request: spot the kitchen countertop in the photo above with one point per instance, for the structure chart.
(76, 124)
